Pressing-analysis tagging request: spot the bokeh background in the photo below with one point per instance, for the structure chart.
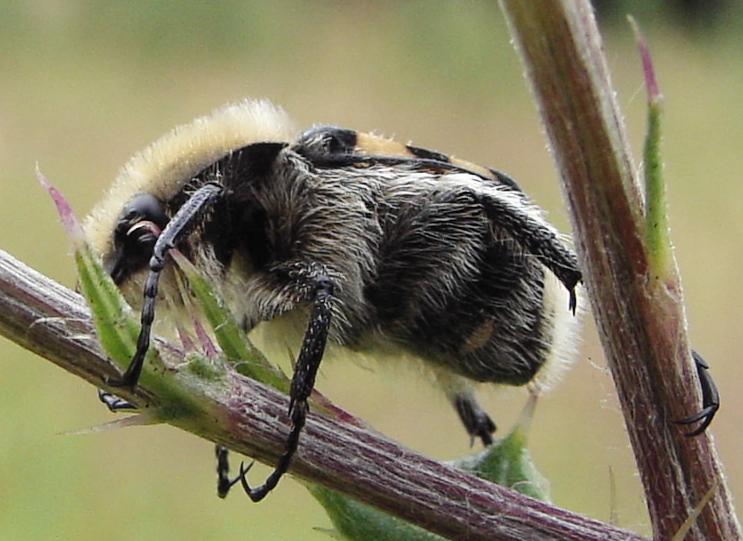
(83, 85)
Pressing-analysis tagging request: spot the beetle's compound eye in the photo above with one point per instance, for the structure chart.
(137, 228)
(144, 206)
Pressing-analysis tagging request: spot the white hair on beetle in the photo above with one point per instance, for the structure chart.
(565, 327)
(167, 164)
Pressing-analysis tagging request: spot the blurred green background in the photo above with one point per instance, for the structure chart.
(86, 84)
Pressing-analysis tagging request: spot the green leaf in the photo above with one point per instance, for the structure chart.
(117, 327)
(240, 352)
(355, 521)
(657, 234)
(508, 462)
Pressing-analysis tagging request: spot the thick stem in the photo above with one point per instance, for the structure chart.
(251, 418)
(640, 314)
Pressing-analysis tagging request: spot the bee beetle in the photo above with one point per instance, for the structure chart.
(346, 238)
(349, 239)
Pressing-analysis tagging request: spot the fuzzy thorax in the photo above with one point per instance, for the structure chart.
(164, 167)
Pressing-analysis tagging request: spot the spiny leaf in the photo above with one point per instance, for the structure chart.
(243, 355)
(508, 462)
(117, 327)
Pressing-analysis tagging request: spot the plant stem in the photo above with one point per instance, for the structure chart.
(639, 313)
(250, 418)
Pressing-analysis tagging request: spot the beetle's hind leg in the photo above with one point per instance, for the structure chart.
(460, 393)
(113, 402)
(475, 419)
(224, 483)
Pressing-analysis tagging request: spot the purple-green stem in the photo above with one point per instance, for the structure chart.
(638, 307)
